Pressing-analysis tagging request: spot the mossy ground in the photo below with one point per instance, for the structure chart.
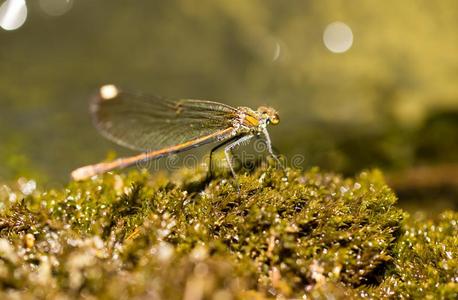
(148, 236)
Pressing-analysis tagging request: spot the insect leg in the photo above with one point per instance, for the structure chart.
(228, 149)
(216, 148)
(269, 148)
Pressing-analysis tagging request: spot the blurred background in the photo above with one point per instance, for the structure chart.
(358, 84)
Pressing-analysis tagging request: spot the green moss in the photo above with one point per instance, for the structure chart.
(426, 260)
(121, 236)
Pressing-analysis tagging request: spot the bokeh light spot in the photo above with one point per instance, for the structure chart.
(13, 14)
(277, 51)
(55, 7)
(108, 91)
(338, 37)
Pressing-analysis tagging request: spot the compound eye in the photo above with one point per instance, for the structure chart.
(275, 119)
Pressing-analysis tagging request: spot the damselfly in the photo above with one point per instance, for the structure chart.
(159, 127)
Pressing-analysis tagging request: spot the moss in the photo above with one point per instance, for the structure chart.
(426, 260)
(139, 235)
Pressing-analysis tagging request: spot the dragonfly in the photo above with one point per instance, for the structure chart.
(159, 127)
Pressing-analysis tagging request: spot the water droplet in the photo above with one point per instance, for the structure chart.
(12, 197)
(199, 253)
(7, 251)
(29, 240)
(164, 251)
(27, 186)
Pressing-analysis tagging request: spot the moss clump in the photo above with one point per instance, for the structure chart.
(425, 260)
(136, 235)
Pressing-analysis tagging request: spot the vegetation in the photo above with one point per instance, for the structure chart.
(282, 236)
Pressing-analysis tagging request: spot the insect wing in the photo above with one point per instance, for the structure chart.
(148, 123)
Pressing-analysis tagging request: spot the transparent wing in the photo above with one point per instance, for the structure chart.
(147, 123)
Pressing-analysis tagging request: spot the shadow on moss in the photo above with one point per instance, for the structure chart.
(309, 234)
